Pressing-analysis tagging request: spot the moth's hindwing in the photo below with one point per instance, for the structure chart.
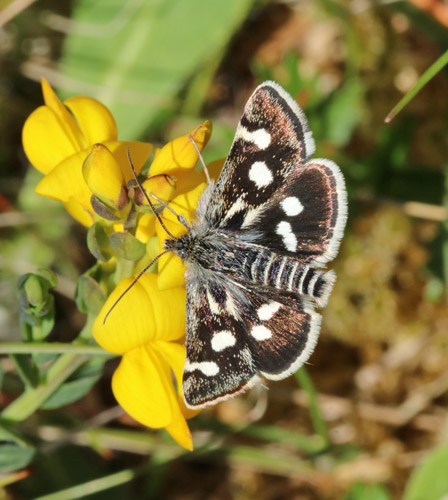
(225, 353)
(306, 217)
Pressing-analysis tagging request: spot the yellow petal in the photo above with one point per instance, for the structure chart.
(65, 181)
(66, 120)
(187, 180)
(180, 152)
(160, 185)
(146, 227)
(139, 152)
(180, 432)
(175, 354)
(171, 272)
(94, 119)
(171, 267)
(144, 314)
(79, 213)
(44, 140)
(142, 386)
(103, 175)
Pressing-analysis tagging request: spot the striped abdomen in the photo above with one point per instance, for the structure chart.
(290, 275)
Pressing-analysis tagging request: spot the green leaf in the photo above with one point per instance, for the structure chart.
(430, 480)
(139, 69)
(78, 385)
(33, 290)
(49, 276)
(46, 325)
(102, 209)
(13, 457)
(367, 492)
(127, 246)
(36, 311)
(89, 295)
(98, 242)
(343, 112)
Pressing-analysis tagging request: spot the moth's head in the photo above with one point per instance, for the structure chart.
(180, 246)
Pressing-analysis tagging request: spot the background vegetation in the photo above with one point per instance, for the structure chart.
(375, 425)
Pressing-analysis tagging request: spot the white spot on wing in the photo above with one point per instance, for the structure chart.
(208, 368)
(284, 230)
(266, 311)
(260, 174)
(291, 206)
(260, 332)
(222, 340)
(261, 137)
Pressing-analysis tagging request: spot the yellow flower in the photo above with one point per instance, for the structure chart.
(172, 172)
(57, 139)
(75, 146)
(149, 334)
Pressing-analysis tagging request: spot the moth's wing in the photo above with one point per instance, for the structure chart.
(236, 333)
(219, 362)
(282, 332)
(272, 137)
(306, 216)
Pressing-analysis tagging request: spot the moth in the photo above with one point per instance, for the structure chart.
(255, 254)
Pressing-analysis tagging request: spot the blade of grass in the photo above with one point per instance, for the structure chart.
(308, 444)
(317, 418)
(97, 485)
(421, 82)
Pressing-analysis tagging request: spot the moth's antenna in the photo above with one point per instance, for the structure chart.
(180, 218)
(200, 158)
(140, 274)
(142, 189)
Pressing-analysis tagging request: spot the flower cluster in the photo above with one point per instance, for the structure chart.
(75, 145)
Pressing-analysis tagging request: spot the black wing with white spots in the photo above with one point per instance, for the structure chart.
(305, 217)
(219, 361)
(270, 336)
(269, 185)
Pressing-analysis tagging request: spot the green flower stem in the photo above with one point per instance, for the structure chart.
(317, 418)
(54, 347)
(32, 399)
